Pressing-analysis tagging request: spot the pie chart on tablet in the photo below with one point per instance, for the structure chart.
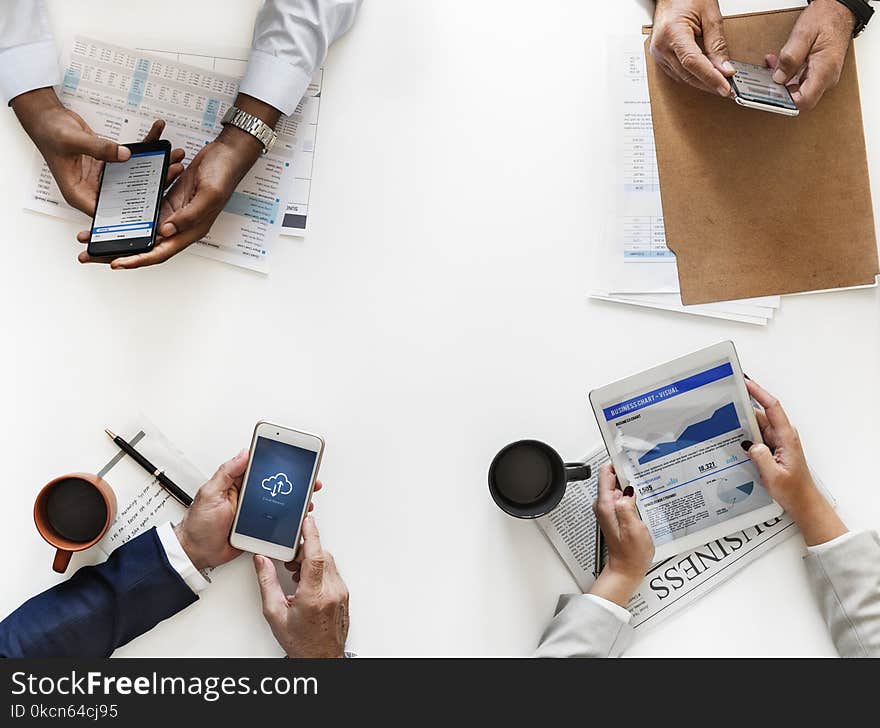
(732, 494)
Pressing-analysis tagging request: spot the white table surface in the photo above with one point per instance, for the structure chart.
(436, 312)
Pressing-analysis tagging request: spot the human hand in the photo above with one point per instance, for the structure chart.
(74, 153)
(630, 548)
(814, 53)
(204, 531)
(677, 25)
(314, 621)
(783, 469)
(190, 206)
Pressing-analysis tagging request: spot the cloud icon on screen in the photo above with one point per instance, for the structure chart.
(278, 485)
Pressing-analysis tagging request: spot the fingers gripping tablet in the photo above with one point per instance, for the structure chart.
(674, 433)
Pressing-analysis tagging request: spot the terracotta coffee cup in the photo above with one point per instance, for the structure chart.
(72, 513)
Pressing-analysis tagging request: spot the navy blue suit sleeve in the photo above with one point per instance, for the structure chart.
(100, 607)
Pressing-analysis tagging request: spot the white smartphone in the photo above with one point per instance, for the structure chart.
(276, 490)
(675, 434)
(753, 87)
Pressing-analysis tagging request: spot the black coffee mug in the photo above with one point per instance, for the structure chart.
(528, 478)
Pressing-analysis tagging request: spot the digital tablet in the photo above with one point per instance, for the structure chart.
(674, 434)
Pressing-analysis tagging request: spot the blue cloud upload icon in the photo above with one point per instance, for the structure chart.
(278, 485)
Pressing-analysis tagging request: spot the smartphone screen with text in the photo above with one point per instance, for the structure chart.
(127, 211)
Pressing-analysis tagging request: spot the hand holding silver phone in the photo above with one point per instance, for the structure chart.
(753, 87)
(276, 490)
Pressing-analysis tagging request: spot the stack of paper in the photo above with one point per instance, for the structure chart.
(633, 264)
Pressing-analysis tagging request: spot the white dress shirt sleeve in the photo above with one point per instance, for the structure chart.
(28, 59)
(622, 614)
(179, 560)
(291, 38)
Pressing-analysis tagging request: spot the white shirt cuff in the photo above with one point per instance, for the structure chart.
(27, 67)
(821, 548)
(622, 614)
(179, 560)
(274, 81)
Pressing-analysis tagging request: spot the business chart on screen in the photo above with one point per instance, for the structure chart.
(681, 448)
(119, 90)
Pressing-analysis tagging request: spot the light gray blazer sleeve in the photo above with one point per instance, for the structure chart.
(846, 578)
(583, 628)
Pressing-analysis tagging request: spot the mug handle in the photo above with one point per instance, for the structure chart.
(61, 561)
(577, 471)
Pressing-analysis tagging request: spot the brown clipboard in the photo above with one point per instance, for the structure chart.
(759, 204)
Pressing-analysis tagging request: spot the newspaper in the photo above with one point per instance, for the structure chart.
(672, 584)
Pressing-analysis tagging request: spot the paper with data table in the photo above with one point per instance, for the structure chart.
(639, 225)
(233, 61)
(120, 91)
(634, 265)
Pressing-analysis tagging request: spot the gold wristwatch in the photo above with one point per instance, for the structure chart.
(254, 126)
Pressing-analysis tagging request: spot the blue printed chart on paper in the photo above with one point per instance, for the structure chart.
(681, 444)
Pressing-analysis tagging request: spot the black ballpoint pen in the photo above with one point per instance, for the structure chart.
(176, 492)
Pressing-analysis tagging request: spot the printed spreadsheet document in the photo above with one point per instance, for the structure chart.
(120, 91)
(633, 264)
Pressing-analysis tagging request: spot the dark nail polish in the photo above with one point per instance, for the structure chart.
(628, 491)
(747, 376)
(746, 445)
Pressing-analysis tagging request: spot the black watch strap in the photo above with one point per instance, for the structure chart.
(862, 11)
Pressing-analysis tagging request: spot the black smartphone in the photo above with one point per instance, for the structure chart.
(127, 209)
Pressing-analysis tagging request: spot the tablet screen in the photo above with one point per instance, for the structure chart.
(679, 442)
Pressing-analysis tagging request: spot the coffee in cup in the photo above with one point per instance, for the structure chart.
(72, 513)
(528, 478)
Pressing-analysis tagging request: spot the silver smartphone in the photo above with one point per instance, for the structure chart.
(753, 87)
(276, 490)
